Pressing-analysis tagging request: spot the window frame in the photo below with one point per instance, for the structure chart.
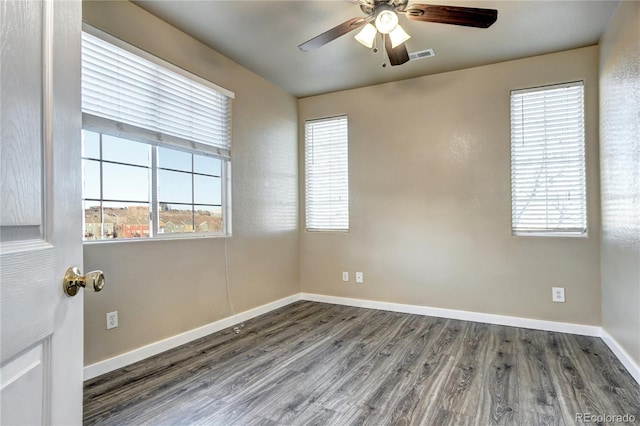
(306, 175)
(578, 232)
(154, 201)
(106, 126)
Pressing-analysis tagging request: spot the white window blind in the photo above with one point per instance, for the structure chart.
(548, 190)
(327, 174)
(143, 97)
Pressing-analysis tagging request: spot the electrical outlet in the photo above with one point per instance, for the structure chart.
(112, 320)
(345, 276)
(558, 294)
(359, 277)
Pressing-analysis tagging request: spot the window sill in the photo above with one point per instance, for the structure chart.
(551, 234)
(176, 237)
(325, 231)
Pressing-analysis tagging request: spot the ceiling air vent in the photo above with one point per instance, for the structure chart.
(421, 54)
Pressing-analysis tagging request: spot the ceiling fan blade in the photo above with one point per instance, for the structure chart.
(397, 55)
(333, 34)
(465, 16)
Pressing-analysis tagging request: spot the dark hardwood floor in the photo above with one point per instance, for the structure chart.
(319, 364)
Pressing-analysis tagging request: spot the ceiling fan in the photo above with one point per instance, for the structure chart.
(384, 15)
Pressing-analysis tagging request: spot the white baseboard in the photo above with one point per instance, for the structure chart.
(102, 367)
(621, 354)
(561, 327)
(111, 364)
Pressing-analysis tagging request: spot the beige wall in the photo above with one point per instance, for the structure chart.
(620, 173)
(430, 204)
(162, 288)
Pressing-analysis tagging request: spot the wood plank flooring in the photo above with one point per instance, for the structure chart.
(319, 364)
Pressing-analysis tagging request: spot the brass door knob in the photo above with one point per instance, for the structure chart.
(73, 280)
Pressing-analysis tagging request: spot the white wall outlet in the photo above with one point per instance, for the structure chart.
(112, 320)
(558, 294)
(359, 277)
(345, 276)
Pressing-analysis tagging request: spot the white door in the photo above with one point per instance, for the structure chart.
(40, 212)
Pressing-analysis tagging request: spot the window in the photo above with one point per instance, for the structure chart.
(327, 174)
(548, 190)
(155, 146)
(119, 200)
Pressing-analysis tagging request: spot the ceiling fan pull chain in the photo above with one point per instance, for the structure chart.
(384, 64)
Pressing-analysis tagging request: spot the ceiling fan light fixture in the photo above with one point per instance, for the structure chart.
(367, 35)
(386, 19)
(398, 36)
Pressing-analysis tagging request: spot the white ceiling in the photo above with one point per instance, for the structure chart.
(264, 35)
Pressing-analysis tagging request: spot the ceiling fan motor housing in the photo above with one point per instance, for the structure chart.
(370, 7)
